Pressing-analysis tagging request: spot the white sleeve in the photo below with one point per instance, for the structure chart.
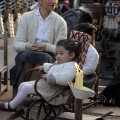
(46, 67)
(20, 41)
(91, 61)
(66, 75)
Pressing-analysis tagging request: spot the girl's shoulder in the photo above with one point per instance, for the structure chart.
(72, 63)
(92, 49)
(64, 66)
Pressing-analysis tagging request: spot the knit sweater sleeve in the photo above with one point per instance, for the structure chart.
(66, 74)
(58, 32)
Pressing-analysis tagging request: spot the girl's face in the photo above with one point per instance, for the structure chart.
(63, 55)
(48, 4)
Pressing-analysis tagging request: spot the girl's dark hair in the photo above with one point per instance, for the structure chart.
(85, 18)
(85, 27)
(69, 45)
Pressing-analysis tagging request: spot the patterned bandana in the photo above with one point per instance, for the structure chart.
(85, 40)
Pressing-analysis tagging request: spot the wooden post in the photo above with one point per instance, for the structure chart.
(17, 14)
(24, 6)
(17, 9)
(1, 25)
(4, 67)
(6, 13)
(76, 4)
(8, 19)
(78, 109)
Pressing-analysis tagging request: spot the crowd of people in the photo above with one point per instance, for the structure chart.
(41, 42)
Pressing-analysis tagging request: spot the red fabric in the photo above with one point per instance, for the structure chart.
(85, 40)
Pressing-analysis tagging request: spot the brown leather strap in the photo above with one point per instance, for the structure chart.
(101, 17)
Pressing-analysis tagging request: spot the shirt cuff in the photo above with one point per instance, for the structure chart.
(50, 79)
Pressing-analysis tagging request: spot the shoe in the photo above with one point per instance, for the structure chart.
(2, 108)
(16, 114)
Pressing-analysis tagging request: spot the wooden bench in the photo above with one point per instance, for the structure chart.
(4, 67)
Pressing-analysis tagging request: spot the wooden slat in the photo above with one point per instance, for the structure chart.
(3, 89)
(3, 69)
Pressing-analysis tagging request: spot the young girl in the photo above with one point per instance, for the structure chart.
(54, 81)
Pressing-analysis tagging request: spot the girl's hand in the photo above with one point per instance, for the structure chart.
(40, 68)
(44, 76)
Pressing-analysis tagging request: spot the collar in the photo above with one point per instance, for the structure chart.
(37, 13)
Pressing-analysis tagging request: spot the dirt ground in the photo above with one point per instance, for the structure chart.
(5, 115)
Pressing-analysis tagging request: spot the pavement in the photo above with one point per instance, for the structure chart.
(7, 96)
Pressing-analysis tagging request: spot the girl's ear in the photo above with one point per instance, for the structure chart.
(72, 55)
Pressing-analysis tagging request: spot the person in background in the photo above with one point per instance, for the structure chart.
(88, 57)
(38, 32)
(110, 96)
(66, 6)
(52, 87)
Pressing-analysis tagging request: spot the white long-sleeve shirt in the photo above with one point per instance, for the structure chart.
(43, 28)
(91, 61)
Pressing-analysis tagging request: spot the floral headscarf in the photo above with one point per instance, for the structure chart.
(85, 40)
